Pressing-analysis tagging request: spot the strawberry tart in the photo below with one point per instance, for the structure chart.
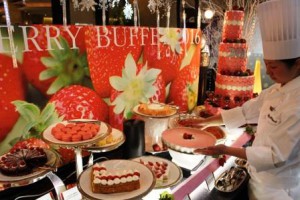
(160, 169)
(186, 140)
(234, 82)
(106, 182)
(22, 161)
(156, 109)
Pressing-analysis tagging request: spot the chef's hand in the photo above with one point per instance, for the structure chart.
(212, 150)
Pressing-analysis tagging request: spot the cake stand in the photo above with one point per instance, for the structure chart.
(104, 130)
(36, 175)
(118, 138)
(154, 126)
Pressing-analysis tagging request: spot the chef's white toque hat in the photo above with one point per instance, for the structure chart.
(280, 28)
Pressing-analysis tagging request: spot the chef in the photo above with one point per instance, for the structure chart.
(274, 157)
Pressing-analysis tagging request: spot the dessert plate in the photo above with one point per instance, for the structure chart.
(175, 173)
(104, 130)
(217, 131)
(174, 121)
(172, 112)
(147, 181)
(186, 140)
(37, 174)
(115, 139)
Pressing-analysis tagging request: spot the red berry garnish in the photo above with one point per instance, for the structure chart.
(156, 147)
(187, 136)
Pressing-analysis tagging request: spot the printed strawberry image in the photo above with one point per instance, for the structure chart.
(165, 51)
(107, 49)
(138, 84)
(184, 89)
(11, 88)
(50, 65)
(79, 102)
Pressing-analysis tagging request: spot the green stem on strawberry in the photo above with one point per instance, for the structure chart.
(36, 121)
(67, 66)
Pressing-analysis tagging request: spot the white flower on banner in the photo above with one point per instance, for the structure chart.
(87, 5)
(172, 38)
(134, 85)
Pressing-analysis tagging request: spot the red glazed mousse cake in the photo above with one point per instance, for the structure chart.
(106, 182)
(234, 82)
(187, 140)
(22, 161)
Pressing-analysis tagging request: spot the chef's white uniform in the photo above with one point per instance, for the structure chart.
(274, 157)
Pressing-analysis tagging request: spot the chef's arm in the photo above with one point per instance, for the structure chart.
(222, 149)
(235, 151)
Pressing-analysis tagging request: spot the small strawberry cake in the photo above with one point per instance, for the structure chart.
(106, 182)
(160, 169)
(156, 109)
(186, 140)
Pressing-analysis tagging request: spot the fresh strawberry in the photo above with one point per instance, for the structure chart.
(78, 102)
(106, 57)
(137, 84)
(184, 89)
(11, 88)
(156, 147)
(49, 71)
(168, 54)
(222, 160)
(31, 142)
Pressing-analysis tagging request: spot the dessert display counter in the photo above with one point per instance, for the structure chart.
(189, 185)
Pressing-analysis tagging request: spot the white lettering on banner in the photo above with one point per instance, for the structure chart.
(153, 41)
(73, 37)
(105, 36)
(102, 33)
(54, 39)
(144, 35)
(133, 34)
(26, 38)
(116, 38)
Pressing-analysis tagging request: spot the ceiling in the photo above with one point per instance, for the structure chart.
(21, 10)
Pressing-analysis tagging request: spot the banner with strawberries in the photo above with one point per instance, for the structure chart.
(91, 72)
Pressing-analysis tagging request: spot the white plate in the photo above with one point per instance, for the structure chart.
(147, 181)
(119, 138)
(136, 111)
(104, 130)
(174, 121)
(37, 174)
(175, 173)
